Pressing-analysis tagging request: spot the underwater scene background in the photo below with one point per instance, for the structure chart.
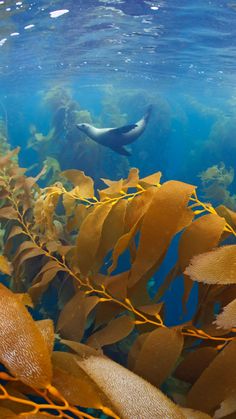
(131, 257)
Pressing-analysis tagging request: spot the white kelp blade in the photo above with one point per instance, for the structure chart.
(215, 267)
(130, 395)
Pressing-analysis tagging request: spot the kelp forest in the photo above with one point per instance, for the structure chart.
(84, 329)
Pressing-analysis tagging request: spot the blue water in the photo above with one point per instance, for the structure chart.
(115, 58)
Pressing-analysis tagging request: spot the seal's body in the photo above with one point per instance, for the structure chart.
(117, 138)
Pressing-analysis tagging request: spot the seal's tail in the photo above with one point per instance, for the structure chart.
(148, 113)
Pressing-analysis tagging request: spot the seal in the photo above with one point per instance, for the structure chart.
(117, 138)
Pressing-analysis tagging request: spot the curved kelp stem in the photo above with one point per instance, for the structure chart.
(63, 410)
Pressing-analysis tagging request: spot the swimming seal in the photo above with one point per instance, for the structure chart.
(117, 138)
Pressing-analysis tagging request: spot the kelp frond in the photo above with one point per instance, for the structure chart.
(76, 237)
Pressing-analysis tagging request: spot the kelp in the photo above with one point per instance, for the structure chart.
(227, 319)
(95, 253)
(216, 181)
(4, 144)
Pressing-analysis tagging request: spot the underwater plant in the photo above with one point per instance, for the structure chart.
(4, 145)
(216, 181)
(86, 259)
(220, 141)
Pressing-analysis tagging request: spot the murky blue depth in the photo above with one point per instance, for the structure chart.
(111, 59)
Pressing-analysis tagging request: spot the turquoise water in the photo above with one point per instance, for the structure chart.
(109, 60)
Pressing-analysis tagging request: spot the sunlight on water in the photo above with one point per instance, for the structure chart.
(149, 39)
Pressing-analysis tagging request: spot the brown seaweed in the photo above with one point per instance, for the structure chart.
(69, 237)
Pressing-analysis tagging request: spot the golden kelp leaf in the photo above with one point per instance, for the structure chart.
(73, 383)
(9, 213)
(26, 184)
(200, 236)
(161, 222)
(79, 214)
(216, 382)
(15, 231)
(215, 267)
(139, 294)
(229, 215)
(52, 245)
(7, 413)
(194, 414)
(230, 416)
(113, 228)
(134, 215)
(163, 346)
(116, 285)
(11, 388)
(132, 179)
(5, 265)
(206, 307)
(210, 327)
(227, 407)
(115, 331)
(227, 319)
(42, 285)
(69, 204)
(152, 309)
(30, 181)
(72, 320)
(137, 207)
(137, 399)
(16, 172)
(46, 329)
(3, 192)
(22, 348)
(121, 246)
(114, 188)
(223, 293)
(81, 349)
(78, 178)
(194, 364)
(33, 251)
(51, 264)
(26, 245)
(64, 250)
(37, 416)
(45, 208)
(135, 350)
(25, 298)
(89, 237)
(153, 179)
(4, 160)
(106, 312)
(26, 255)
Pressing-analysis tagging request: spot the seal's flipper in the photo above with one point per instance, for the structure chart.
(148, 113)
(123, 130)
(121, 150)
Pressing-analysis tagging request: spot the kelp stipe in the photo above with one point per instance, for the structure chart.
(72, 234)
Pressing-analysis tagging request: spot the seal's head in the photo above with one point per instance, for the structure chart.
(84, 127)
